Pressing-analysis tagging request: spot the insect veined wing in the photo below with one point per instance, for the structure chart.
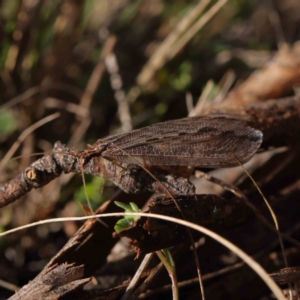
(146, 134)
(207, 141)
(166, 129)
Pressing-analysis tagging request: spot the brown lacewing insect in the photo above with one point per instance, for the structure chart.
(208, 141)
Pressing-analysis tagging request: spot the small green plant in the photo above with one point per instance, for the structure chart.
(127, 221)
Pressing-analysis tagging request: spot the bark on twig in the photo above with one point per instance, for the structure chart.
(275, 118)
(50, 286)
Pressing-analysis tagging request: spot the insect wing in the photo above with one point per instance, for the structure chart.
(207, 141)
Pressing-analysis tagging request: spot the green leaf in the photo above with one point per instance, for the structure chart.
(127, 221)
(125, 206)
(131, 207)
(123, 224)
(134, 207)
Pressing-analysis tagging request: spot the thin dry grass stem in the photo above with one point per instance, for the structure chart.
(263, 196)
(182, 214)
(69, 88)
(20, 98)
(87, 97)
(229, 78)
(9, 286)
(19, 47)
(172, 274)
(29, 155)
(134, 281)
(23, 135)
(80, 131)
(133, 94)
(258, 162)
(238, 193)
(247, 259)
(120, 96)
(278, 168)
(189, 102)
(38, 89)
(96, 76)
(291, 188)
(226, 186)
(186, 283)
(26, 148)
(159, 57)
(202, 99)
(73, 108)
(276, 25)
(143, 287)
(188, 35)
